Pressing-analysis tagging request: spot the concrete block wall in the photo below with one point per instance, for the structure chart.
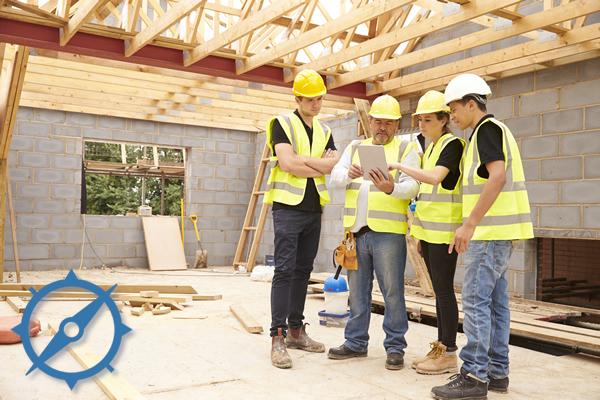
(45, 170)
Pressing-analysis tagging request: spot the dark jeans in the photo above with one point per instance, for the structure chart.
(441, 267)
(296, 243)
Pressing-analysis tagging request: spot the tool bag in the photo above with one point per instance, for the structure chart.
(345, 254)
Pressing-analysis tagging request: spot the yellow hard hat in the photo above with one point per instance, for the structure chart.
(385, 107)
(308, 83)
(432, 102)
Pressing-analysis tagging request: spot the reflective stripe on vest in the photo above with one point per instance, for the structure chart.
(287, 188)
(509, 217)
(439, 210)
(385, 213)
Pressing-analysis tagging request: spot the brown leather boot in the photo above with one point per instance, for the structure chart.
(279, 355)
(429, 355)
(442, 362)
(298, 339)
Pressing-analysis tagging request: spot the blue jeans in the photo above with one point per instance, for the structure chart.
(485, 305)
(384, 254)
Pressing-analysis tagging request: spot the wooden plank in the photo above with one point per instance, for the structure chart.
(246, 319)
(163, 244)
(240, 29)
(206, 297)
(529, 23)
(311, 36)
(13, 228)
(16, 304)
(177, 11)
(508, 68)
(362, 107)
(523, 325)
(121, 288)
(37, 11)
(491, 58)
(115, 296)
(112, 384)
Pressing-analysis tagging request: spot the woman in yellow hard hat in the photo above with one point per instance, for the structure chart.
(438, 214)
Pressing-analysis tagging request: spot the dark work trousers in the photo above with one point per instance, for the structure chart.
(296, 244)
(441, 267)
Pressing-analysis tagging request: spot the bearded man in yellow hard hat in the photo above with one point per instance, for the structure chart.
(376, 212)
(302, 152)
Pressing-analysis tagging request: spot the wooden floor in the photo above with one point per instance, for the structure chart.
(215, 358)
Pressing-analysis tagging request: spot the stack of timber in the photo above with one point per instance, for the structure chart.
(528, 318)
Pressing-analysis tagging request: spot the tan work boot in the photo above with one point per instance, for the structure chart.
(440, 363)
(298, 339)
(279, 355)
(429, 355)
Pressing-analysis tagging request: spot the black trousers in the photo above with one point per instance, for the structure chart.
(296, 243)
(441, 267)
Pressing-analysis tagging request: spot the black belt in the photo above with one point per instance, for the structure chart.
(363, 230)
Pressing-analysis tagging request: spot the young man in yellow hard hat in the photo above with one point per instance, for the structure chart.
(376, 211)
(495, 212)
(303, 152)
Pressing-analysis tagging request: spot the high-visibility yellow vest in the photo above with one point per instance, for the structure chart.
(286, 188)
(385, 213)
(439, 211)
(509, 218)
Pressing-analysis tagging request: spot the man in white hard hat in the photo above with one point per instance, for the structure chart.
(376, 211)
(495, 212)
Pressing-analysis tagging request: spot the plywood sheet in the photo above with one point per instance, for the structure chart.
(163, 244)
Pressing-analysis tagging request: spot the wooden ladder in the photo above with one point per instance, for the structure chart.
(257, 229)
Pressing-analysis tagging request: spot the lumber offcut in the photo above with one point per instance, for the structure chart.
(246, 319)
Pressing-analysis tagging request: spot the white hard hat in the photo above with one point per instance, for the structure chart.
(465, 84)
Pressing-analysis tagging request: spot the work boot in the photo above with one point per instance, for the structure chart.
(498, 385)
(441, 362)
(342, 352)
(463, 386)
(429, 355)
(298, 339)
(279, 355)
(394, 361)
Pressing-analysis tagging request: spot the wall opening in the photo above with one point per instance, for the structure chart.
(120, 177)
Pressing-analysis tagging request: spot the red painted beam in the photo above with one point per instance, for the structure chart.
(45, 37)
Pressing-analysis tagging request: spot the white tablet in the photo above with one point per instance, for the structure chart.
(372, 157)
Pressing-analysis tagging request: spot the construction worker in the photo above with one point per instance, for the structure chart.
(495, 212)
(303, 152)
(438, 214)
(376, 211)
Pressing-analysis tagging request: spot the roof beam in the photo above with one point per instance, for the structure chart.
(85, 10)
(179, 10)
(403, 34)
(240, 29)
(35, 10)
(353, 18)
(538, 20)
(577, 36)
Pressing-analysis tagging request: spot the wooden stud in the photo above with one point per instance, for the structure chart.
(13, 227)
(179, 10)
(85, 10)
(311, 36)
(241, 29)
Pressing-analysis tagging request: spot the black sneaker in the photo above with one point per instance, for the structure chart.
(498, 385)
(461, 387)
(394, 361)
(342, 352)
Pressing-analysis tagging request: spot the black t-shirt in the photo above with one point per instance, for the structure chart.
(311, 201)
(489, 144)
(450, 158)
